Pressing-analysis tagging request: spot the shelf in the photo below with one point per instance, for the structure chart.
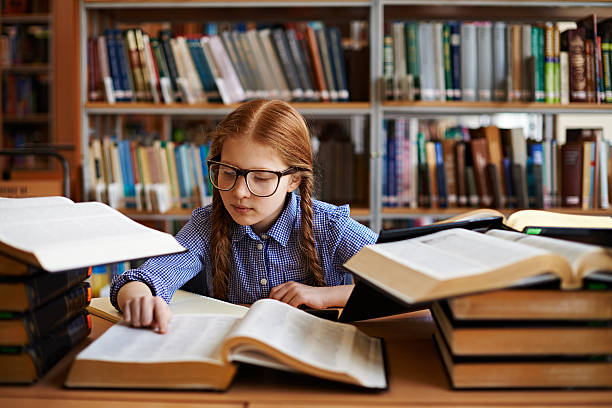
(26, 68)
(408, 213)
(26, 18)
(31, 118)
(105, 4)
(467, 108)
(219, 109)
(360, 214)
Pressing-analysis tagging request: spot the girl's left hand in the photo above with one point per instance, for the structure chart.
(316, 297)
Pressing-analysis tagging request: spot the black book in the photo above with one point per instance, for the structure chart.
(19, 294)
(21, 328)
(26, 364)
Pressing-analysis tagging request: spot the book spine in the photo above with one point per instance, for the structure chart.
(455, 41)
(285, 57)
(527, 63)
(298, 57)
(164, 39)
(427, 61)
(469, 62)
(53, 348)
(43, 287)
(448, 62)
(537, 49)
(606, 55)
(315, 57)
(577, 65)
(42, 321)
(328, 72)
(424, 182)
(441, 176)
(388, 68)
(440, 88)
(124, 71)
(499, 61)
(485, 61)
(113, 61)
(335, 41)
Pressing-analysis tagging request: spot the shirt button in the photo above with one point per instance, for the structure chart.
(264, 236)
(259, 246)
(263, 281)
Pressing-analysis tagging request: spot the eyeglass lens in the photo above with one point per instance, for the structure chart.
(260, 183)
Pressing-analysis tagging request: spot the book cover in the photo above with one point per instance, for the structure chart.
(22, 328)
(27, 364)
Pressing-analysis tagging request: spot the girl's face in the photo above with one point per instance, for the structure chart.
(244, 207)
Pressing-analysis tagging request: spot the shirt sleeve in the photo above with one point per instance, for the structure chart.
(349, 237)
(165, 274)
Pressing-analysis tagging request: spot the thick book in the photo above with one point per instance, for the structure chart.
(18, 294)
(56, 234)
(539, 301)
(522, 337)
(472, 372)
(21, 328)
(458, 262)
(27, 364)
(272, 334)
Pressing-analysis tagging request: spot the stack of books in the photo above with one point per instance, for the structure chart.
(42, 317)
(47, 248)
(513, 309)
(536, 336)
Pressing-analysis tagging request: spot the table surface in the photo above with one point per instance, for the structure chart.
(416, 378)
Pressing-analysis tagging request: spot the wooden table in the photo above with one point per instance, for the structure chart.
(416, 378)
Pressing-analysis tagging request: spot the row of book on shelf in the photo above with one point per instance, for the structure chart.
(25, 94)
(295, 61)
(24, 44)
(489, 166)
(164, 175)
(498, 61)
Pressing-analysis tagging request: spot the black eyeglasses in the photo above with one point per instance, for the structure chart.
(262, 183)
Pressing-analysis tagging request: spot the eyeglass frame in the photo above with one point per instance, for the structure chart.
(245, 172)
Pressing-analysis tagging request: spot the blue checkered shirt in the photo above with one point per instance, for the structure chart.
(258, 262)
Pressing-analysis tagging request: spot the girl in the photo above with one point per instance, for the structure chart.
(258, 238)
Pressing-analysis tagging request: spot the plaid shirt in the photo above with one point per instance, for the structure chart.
(258, 262)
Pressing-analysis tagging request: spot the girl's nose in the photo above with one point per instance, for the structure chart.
(241, 189)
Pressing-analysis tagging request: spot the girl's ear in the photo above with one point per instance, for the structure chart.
(296, 179)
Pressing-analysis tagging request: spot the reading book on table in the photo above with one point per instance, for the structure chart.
(200, 351)
(57, 234)
(457, 262)
(590, 229)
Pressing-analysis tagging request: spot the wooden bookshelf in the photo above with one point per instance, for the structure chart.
(98, 14)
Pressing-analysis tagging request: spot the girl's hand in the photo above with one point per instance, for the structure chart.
(316, 297)
(142, 309)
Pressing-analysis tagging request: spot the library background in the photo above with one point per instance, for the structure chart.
(417, 111)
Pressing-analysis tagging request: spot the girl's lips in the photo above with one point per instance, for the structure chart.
(241, 209)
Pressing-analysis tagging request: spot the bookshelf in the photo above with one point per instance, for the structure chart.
(26, 68)
(96, 15)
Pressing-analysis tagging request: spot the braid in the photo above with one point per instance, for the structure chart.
(308, 249)
(220, 247)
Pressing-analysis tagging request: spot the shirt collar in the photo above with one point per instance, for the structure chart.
(280, 231)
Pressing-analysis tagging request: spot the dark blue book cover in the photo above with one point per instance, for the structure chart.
(441, 176)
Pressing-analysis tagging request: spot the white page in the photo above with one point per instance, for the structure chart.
(456, 252)
(33, 202)
(315, 341)
(80, 235)
(189, 338)
(573, 252)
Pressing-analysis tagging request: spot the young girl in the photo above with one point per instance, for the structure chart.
(258, 238)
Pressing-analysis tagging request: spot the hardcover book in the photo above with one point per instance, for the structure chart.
(200, 351)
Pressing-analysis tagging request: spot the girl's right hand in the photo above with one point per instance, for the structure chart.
(142, 309)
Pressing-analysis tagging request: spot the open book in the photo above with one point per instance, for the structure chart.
(182, 302)
(522, 219)
(56, 234)
(458, 261)
(199, 351)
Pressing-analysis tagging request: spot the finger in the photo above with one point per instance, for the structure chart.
(279, 291)
(296, 301)
(146, 311)
(135, 311)
(127, 315)
(163, 314)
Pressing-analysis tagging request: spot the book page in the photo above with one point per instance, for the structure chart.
(317, 342)
(189, 338)
(182, 302)
(80, 235)
(473, 215)
(33, 202)
(456, 253)
(573, 252)
(538, 218)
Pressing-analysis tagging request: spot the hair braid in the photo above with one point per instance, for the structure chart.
(309, 252)
(220, 247)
